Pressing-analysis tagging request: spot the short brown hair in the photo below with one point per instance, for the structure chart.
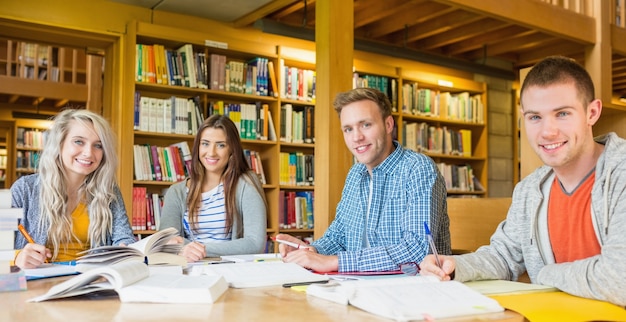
(362, 94)
(557, 70)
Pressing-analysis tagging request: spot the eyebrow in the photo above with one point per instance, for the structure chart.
(558, 109)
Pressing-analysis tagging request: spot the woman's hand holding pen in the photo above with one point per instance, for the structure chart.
(194, 251)
(32, 255)
(429, 266)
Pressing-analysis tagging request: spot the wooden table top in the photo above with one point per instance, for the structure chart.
(252, 304)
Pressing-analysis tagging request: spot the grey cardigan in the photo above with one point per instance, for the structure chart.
(249, 229)
(521, 242)
(25, 194)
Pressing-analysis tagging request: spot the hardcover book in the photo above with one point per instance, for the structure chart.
(152, 250)
(133, 283)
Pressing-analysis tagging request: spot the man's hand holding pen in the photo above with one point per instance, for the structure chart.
(430, 266)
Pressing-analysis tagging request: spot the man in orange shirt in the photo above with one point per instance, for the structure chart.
(567, 222)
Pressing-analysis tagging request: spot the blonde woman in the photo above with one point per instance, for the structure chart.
(73, 203)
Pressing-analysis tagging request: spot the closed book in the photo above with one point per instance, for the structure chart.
(14, 280)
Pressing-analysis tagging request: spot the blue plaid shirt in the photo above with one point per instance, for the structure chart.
(408, 190)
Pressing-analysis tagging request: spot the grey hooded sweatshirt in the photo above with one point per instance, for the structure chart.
(521, 242)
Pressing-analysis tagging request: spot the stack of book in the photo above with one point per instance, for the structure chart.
(11, 277)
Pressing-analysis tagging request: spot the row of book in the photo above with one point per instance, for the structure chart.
(254, 121)
(297, 123)
(425, 137)
(177, 115)
(459, 178)
(429, 102)
(297, 83)
(179, 67)
(295, 209)
(253, 77)
(30, 138)
(255, 163)
(296, 169)
(146, 209)
(33, 61)
(384, 84)
(185, 67)
(154, 163)
(27, 160)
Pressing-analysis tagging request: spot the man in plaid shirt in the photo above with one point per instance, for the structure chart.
(388, 196)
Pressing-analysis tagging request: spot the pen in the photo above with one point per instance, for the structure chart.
(27, 236)
(431, 242)
(191, 235)
(288, 243)
(304, 283)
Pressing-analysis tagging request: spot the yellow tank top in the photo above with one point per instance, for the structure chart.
(80, 228)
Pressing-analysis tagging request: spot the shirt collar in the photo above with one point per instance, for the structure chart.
(389, 163)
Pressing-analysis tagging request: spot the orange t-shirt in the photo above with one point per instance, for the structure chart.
(80, 227)
(569, 222)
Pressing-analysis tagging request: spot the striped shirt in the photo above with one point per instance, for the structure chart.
(211, 224)
(407, 190)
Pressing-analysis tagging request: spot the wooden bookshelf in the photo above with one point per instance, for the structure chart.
(393, 80)
(29, 138)
(37, 79)
(207, 98)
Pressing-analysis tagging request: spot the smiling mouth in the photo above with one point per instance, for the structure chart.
(361, 148)
(85, 162)
(552, 146)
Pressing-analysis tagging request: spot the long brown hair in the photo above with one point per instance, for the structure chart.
(237, 166)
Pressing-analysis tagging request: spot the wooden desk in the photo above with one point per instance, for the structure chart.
(255, 304)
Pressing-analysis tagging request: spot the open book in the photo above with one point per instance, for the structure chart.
(133, 283)
(152, 250)
(407, 298)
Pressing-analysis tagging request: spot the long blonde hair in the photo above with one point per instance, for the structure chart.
(98, 188)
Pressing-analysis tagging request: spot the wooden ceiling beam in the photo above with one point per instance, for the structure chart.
(368, 11)
(507, 45)
(406, 15)
(295, 7)
(538, 15)
(262, 12)
(61, 103)
(533, 56)
(460, 33)
(483, 39)
(433, 27)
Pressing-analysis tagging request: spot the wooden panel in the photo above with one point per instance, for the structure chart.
(474, 220)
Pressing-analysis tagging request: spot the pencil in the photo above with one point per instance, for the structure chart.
(25, 233)
(27, 236)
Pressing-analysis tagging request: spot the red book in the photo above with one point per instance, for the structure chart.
(156, 164)
(291, 209)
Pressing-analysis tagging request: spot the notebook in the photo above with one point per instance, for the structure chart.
(409, 298)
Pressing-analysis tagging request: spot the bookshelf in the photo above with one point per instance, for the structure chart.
(29, 138)
(297, 83)
(424, 126)
(37, 79)
(219, 97)
(36, 73)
